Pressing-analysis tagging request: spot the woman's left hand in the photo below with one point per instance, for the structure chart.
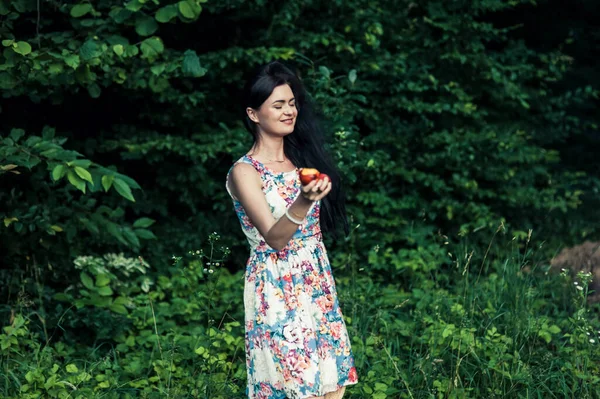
(317, 189)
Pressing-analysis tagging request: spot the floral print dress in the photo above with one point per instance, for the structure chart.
(297, 345)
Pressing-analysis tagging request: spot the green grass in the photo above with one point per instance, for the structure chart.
(489, 323)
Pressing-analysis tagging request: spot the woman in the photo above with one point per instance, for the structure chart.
(297, 346)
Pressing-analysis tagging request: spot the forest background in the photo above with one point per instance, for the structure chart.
(467, 136)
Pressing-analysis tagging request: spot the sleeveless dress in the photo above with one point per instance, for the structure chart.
(296, 341)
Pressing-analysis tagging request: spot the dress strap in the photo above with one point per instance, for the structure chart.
(260, 168)
(246, 159)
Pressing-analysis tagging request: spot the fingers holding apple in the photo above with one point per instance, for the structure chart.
(324, 177)
(315, 185)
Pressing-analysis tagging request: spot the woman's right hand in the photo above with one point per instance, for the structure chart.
(316, 189)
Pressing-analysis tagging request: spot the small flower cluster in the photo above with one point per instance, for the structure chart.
(209, 267)
(591, 339)
(585, 278)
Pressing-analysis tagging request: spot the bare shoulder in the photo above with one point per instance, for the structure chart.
(242, 176)
(242, 171)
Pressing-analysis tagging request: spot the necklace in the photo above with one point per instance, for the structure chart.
(273, 160)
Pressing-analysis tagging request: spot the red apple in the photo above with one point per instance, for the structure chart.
(322, 176)
(308, 174)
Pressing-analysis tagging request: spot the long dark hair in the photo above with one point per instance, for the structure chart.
(305, 147)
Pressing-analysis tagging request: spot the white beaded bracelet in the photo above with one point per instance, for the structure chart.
(293, 219)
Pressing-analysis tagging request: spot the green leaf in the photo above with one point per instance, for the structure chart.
(76, 181)
(61, 296)
(189, 9)
(115, 230)
(191, 65)
(7, 81)
(8, 221)
(118, 49)
(107, 181)
(145, 25)
(166, 14)
(157, 69)
(105, 291)
(84, 163)
(94, 90)
(144, 223)
(524, 103)
(379, 386)
(16, 134)
(89, 50)
(55, 68)
(123, 189)
(121, 300)
(71, 368)
(101, 301)
(4, 8)
(120, 309)
(545, 335)
(72, 60)
(145, 234)
(448, 330)
(87, 281)
(554, 329)
(158, 84)
(131, 50)
(352, 76)
(7, 42)
(84, 174)
(22, 48)
(152, 47)
(131, 237)
(58, 172)
(102, 280)
(132, 183)
(80, 10)
(134, 5)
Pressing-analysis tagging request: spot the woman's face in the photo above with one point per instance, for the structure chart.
(277, 115)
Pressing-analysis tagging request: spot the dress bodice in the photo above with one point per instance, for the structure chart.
(281, 190)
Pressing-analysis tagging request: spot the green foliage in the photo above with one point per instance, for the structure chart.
(163, 326)
(44, 216)
(441, 118)
(447, 119)
(519, 329)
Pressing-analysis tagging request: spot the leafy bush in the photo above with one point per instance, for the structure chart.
(444, 117)
(447, 119)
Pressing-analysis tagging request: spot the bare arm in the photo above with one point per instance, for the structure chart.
(245, 185)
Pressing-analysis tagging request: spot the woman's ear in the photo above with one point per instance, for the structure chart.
(251, 112)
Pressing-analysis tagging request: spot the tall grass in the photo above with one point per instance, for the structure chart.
(492, 322)
(505, 326)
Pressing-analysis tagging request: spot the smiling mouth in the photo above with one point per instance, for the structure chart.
(288, 121)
